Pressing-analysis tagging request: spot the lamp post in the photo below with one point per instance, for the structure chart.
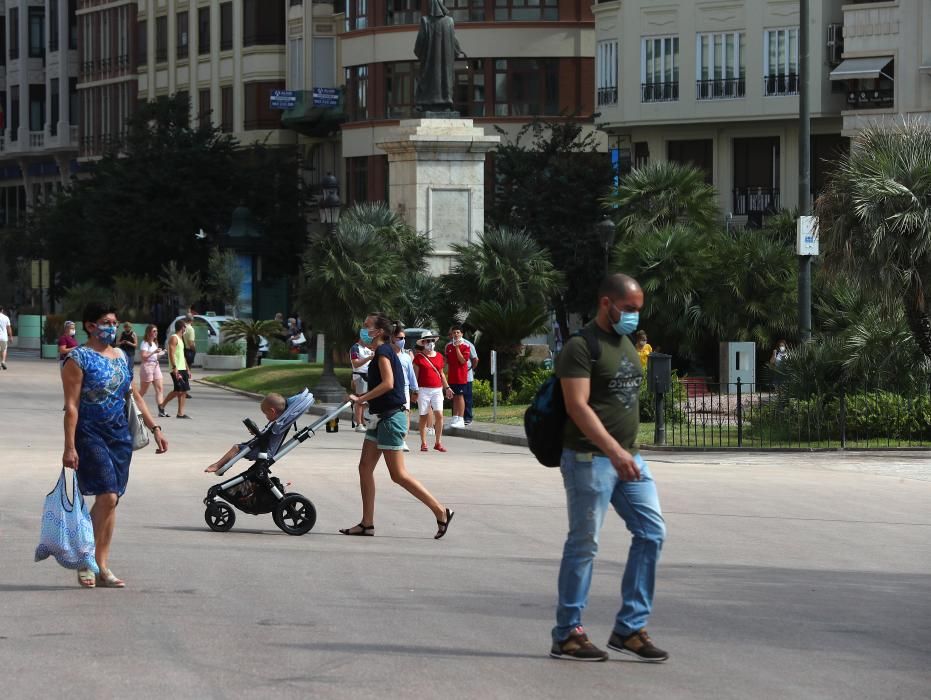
(328, 389)
(606, 231)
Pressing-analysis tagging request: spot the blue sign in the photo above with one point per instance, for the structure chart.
(283, 99)
(326, 97)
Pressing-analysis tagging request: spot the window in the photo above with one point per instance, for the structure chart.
(257, 103)
(14, 109)
(161, 39)
(526, 86)
(203, 107)
(659, 69)
(357, 81)
(324, 60)
(296, 64)
(55, 107)
(72, 25)
(469, 89)
(466, 10)
(719, 66)
(698, 153)
(399, 89)
(356, 14)
(36, 32)
(73, 101)
(53, 25)
(226, 108)
(226, 26)
(36, 107)
(402, 12)
(606, 72)
(780, 61)
(203, 31)
(181, 46)
(14, 33)
(357, 175)
(142, 43)
(526, 10)
(3, 45)
(265, 26)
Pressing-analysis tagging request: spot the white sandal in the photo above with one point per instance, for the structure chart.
(106, 579)
(86, 578)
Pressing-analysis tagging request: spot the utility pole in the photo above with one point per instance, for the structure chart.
(804, 168)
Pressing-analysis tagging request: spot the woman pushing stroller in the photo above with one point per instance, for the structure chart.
(386, 400)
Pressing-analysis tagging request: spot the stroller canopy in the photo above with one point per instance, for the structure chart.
(297, 407)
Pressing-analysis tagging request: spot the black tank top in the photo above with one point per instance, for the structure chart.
(395, 398)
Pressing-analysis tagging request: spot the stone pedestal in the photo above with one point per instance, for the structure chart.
(436, 181)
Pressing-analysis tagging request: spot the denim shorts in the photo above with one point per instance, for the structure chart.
(390, 432)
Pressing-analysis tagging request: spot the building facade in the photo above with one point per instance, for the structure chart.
(716, 84)
(524, 60)
(38, 94)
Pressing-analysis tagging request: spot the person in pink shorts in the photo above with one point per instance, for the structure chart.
(151, 372)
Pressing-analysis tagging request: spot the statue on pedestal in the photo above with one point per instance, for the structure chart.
(437, 50)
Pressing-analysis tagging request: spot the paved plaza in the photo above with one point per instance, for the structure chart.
(784, 575)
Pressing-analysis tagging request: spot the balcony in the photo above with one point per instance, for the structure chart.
(780, 85)
(755, 199)
(659, 92)
(607, 96)
(722, 89)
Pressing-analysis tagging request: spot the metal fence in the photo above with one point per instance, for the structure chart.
(742, 415)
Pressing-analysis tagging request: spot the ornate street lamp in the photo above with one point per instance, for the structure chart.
(330, 203)
(606, 231)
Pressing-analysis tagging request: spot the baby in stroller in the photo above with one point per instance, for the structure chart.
(272, 406)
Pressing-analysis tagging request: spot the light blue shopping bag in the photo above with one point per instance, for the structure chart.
(67, 531)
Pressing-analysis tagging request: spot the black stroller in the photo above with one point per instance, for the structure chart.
(256, 491)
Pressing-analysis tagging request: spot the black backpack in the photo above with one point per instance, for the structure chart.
(546, 416)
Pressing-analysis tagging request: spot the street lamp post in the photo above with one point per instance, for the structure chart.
(606, 231)
(328, 389)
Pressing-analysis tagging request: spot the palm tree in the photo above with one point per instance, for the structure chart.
(361, 266)
(504, 326)
(184, 286)
(239, 329)
(662, 194)
(875, 218)
(506, 266)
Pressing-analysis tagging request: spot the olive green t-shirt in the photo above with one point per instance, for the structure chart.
(615, 387)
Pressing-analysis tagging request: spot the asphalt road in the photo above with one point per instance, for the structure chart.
(784, 576)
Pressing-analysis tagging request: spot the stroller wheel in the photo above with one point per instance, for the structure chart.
(219, 516)
(295, 514)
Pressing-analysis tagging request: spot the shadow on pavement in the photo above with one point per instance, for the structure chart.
(409, 650)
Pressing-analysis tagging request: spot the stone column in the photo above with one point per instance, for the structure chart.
(436, 181)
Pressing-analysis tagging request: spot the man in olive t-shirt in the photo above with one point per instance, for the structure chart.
(601, 467)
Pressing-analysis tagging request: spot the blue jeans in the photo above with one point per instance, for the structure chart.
(591, 485)
(467, 395)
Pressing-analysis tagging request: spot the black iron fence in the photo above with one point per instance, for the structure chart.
(711, 415)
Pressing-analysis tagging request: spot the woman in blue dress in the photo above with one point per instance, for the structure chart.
(96, 379)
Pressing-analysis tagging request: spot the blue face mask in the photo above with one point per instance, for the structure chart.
(399, 342)
(627, 323)
(106, 334)
(365, 336)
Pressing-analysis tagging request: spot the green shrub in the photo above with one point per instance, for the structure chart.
(229, 349)
(278, 350)
(527, 383)
(482, 394)
(674, 402)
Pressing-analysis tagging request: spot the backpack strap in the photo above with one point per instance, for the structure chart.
(591, 339)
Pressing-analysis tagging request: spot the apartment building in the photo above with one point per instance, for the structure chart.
(526, 58)
(107, 82)
(38, 95)
(715, 83)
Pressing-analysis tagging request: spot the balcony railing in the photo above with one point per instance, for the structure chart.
(659, 92)
(870, 99)
(750, 199)
(36, 139)
(778, 85)
(721, 89)
(607, 96)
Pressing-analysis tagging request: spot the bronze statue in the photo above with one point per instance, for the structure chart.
(437, 50)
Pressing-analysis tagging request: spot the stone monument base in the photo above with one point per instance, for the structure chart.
(436, 181)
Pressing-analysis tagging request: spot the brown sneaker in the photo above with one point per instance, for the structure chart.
(577, 647)
(639, 646)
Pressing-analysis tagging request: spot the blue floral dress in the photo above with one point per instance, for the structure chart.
(102, 438)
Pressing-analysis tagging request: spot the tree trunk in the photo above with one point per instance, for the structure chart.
(918, 321)
(252, 353)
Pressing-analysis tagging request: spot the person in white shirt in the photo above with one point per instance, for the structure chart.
(410, 376)
(360, 357)
(6, 335)
(473, 363)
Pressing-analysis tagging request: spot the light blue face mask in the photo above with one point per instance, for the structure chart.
(627, 323)
(365, 336)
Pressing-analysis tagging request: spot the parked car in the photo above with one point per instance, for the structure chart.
(214, 326)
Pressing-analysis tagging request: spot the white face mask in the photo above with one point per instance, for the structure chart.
(782, 348)
(428, 346)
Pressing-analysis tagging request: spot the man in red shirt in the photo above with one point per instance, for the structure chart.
(457, 371)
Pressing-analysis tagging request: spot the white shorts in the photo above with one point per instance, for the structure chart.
(360, 383)
(429, 397)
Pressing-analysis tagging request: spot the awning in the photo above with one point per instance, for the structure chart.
(868, 68)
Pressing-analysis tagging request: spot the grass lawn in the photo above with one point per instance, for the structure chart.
(286, 381)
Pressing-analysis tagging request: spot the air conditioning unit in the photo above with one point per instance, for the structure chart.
(835, 44)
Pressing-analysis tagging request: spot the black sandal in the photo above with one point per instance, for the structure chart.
(363, 531)
(443, 527)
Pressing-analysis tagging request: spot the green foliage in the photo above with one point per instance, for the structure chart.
(527, 382)
(278, 350)
(185, 287)
(79, 295)
(227, 349)
(503, 327)
(482, 394)
(133, 296)
(550, 180)
(54, 327)
(224, 276)
(662, 194)
(425, 302)
(672, 406)
(249, 331)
